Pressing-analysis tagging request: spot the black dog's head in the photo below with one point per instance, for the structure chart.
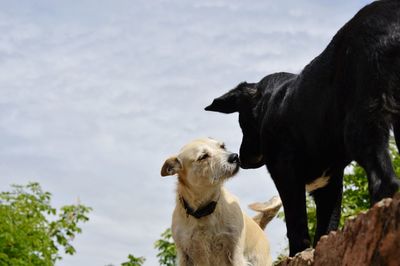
(244, 99)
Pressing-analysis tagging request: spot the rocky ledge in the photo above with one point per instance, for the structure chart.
(372, 238)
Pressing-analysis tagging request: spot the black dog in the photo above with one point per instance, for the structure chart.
(340, 108)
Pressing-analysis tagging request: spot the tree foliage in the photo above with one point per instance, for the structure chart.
(32, 232)
(166, 252)
(134, 261)
(166, 249)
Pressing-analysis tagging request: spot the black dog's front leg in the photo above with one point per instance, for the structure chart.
(292, 193)
(294, 204)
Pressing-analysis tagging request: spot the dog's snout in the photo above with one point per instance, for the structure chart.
(233, 158)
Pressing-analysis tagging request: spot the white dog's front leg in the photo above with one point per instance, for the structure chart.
(240, 262)
(183, 258)
(238, 258)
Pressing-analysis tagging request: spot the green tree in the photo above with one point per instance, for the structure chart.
(32, 232)
(166, 249)
(134, 261)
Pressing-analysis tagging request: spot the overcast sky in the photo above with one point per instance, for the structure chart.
(95, 95)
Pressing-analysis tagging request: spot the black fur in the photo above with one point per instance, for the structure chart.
(340, 108)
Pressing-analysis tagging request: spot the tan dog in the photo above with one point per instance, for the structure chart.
(208, 225)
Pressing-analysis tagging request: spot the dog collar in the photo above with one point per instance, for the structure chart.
(200, 212)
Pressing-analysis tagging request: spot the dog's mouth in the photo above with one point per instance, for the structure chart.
(233, 171)
(252, 163)
(237, 167)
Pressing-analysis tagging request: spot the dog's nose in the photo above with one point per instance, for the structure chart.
(233, 158)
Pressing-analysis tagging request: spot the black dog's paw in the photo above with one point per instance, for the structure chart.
(386, 190)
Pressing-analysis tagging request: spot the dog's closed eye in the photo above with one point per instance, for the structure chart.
(203, 156)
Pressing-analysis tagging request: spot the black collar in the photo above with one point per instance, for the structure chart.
(201, 211)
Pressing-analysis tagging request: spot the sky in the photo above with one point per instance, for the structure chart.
(95, 95)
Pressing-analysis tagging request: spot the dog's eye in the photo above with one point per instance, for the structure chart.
(203, 157)
(222, 146)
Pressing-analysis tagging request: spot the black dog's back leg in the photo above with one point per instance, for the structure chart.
(328, 201)
(367, 139)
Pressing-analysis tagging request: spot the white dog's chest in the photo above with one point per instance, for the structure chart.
(211, 247)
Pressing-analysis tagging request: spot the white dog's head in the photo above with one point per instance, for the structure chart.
(201, 163)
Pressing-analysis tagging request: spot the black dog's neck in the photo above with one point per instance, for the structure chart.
(202, 211)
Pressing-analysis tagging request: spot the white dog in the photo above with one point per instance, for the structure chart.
(208, 225)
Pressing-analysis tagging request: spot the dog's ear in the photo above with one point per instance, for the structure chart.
(171, 166)
(231, 101)
(226, 104)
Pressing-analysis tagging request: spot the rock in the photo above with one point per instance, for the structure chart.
(372, 238)
(304, 258)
